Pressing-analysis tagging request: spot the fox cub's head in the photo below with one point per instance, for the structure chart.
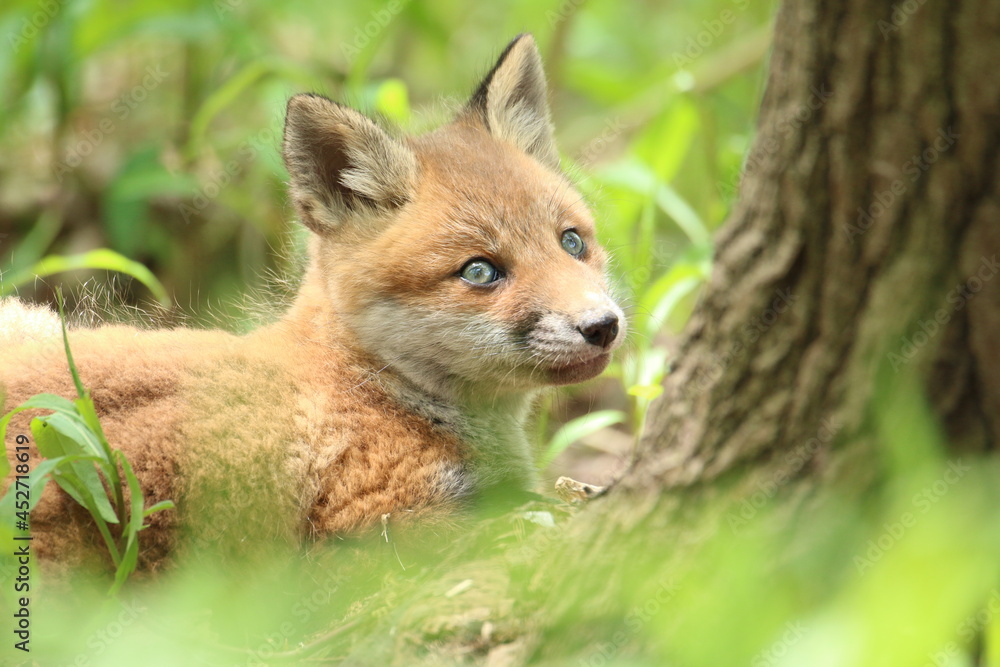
(464, 257)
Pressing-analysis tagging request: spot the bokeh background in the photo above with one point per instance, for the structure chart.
(140, 164)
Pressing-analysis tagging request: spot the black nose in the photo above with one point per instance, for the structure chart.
(601, 330)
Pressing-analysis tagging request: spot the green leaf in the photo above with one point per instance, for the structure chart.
(45, 402)
(88, 413)
(81, 439)
(59, 469)
(71, 485)
(36, 482)
(57, 435)
(158, 507)
(102, 258)
(135, 499)
(578, 428)
(39, 401)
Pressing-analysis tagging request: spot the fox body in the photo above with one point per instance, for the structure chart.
(451, 276)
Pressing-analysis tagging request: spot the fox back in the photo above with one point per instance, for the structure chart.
(451, 276)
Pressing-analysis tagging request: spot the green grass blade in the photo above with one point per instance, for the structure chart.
(135, 496)
(69, 354)
(127, 566)
(158, 507)
(101, 258)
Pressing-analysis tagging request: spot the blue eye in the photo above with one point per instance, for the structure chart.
(480, 272)
(572, 243)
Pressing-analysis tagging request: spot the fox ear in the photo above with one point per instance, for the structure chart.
(511, 102)
(342, 164)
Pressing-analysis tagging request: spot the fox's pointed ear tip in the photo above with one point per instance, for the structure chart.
(525, 39)
(297, 104)
(301, 100)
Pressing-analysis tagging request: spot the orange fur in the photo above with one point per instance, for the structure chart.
(392, 385)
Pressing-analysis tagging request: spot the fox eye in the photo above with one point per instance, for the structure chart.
(480, 272)
(572, 243)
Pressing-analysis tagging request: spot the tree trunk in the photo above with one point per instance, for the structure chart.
(863, 248)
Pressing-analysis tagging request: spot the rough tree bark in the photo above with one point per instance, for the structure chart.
(865, 242)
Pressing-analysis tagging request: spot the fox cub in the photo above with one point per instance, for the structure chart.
(451, 276)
